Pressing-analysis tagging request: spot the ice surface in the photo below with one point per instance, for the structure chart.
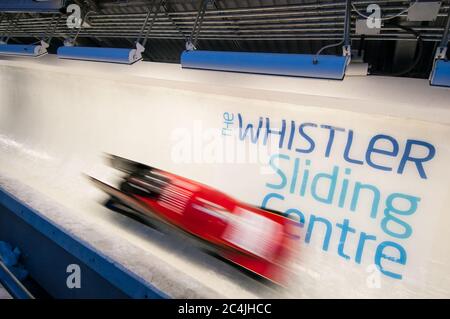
(57, 117)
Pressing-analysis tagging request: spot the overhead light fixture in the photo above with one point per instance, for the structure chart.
(29, 50)
(301, 65)
(34, 50)
(327, 67)
(105, 54)
(31, 5)
(440, 74)
(112, 55)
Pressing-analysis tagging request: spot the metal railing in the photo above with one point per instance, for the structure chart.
(287, 22)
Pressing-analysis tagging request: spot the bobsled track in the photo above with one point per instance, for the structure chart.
(58, 118)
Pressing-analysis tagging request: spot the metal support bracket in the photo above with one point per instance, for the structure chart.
(441, 53)
(346, 48)
(345, 42)
(440, 74)
(191, 44)
(442, 49)
(156, 8)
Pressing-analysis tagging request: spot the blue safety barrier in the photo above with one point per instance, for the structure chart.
(39, 236)
(31, 5)
(327, 66)
(113, 55)
(440, 75)
(31, 50)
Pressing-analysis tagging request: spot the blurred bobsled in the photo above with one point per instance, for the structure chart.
(253, 238)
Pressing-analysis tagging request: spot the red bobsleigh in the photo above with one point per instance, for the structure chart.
(256, 239)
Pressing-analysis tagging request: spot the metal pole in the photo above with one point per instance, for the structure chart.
(441, 50)
(347, 22)
(15, 288)
(157, 9)
(446, 30)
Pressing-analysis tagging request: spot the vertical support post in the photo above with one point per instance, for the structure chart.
(12, 284)
(346, 49)
(193, 39)
(440, 74)
(442, 49)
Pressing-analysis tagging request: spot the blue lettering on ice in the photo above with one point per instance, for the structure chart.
(294, 131)
(334, 187)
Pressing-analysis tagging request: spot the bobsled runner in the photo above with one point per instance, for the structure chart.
(253, 238)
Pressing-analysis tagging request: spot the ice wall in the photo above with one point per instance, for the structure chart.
(361, 163)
